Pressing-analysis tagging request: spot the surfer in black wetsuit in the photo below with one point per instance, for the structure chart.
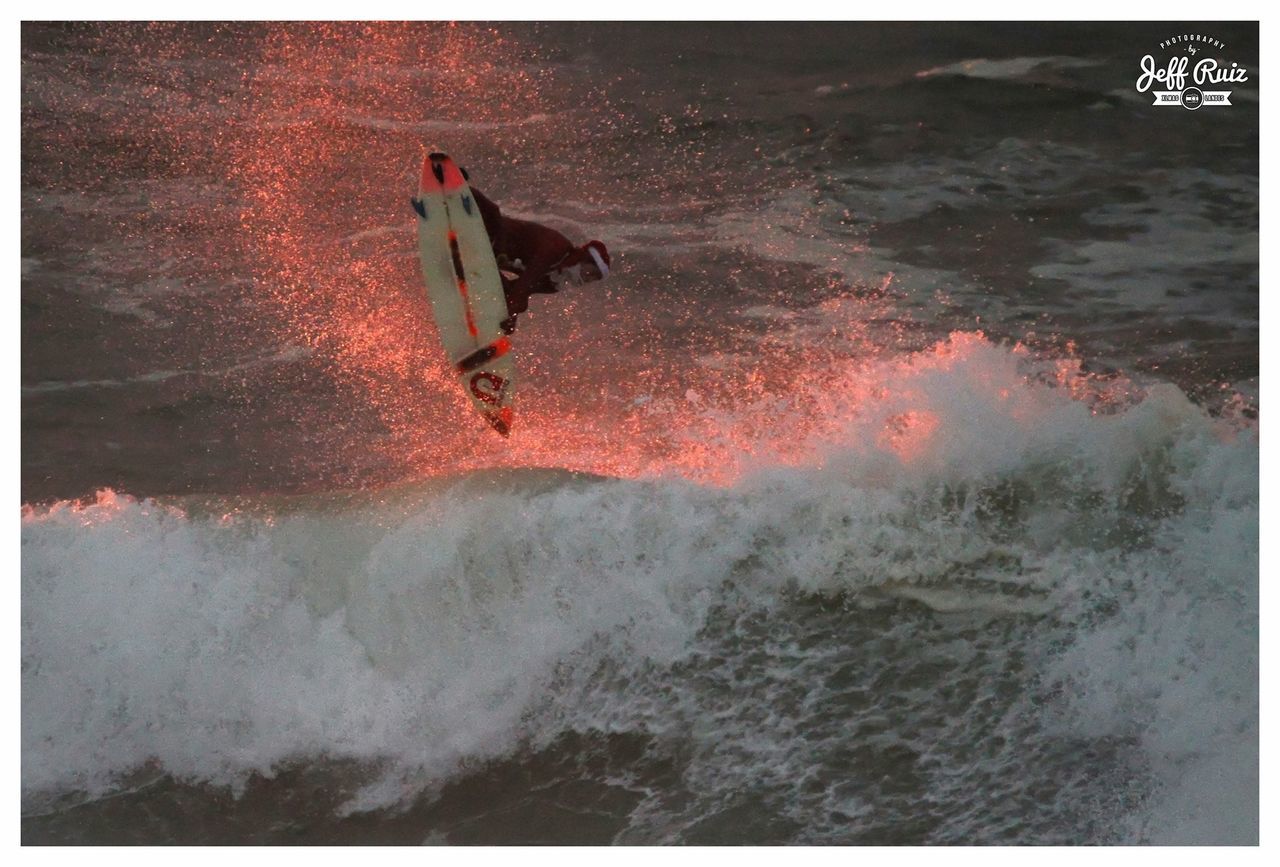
(535, 259)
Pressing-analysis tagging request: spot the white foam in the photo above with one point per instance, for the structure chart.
(1009, 68)
(425, 628)
(285, 354)
(437, 126)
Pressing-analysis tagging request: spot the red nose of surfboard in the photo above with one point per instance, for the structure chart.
(427, 180)
(452, 179)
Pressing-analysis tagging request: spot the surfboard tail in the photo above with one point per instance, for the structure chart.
(501, 420)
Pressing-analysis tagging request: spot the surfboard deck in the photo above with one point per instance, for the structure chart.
(465, 290)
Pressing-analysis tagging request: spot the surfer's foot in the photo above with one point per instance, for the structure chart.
(508, 325)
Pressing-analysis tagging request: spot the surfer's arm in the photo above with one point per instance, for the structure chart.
(519, 289)
(548, 249)
(537, 247)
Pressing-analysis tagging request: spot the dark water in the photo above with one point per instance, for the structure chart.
(901, 486)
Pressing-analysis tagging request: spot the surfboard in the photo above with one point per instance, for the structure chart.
(465, 289)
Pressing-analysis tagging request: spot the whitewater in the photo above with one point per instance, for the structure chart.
(1052, 583)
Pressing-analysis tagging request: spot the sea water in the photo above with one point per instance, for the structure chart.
(900, 486)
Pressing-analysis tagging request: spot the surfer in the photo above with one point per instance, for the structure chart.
(535, 259)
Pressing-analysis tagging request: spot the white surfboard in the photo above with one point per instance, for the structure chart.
(465, 289)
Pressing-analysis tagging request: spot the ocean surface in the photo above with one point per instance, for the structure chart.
(900, 487)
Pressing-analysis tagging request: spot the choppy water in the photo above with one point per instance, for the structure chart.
(901, 488)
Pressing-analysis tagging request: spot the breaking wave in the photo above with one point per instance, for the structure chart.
(419, 629)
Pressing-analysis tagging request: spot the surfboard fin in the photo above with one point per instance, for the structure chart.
(419, 207)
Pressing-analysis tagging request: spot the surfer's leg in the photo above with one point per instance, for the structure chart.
(515, 305)
(517, 302)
